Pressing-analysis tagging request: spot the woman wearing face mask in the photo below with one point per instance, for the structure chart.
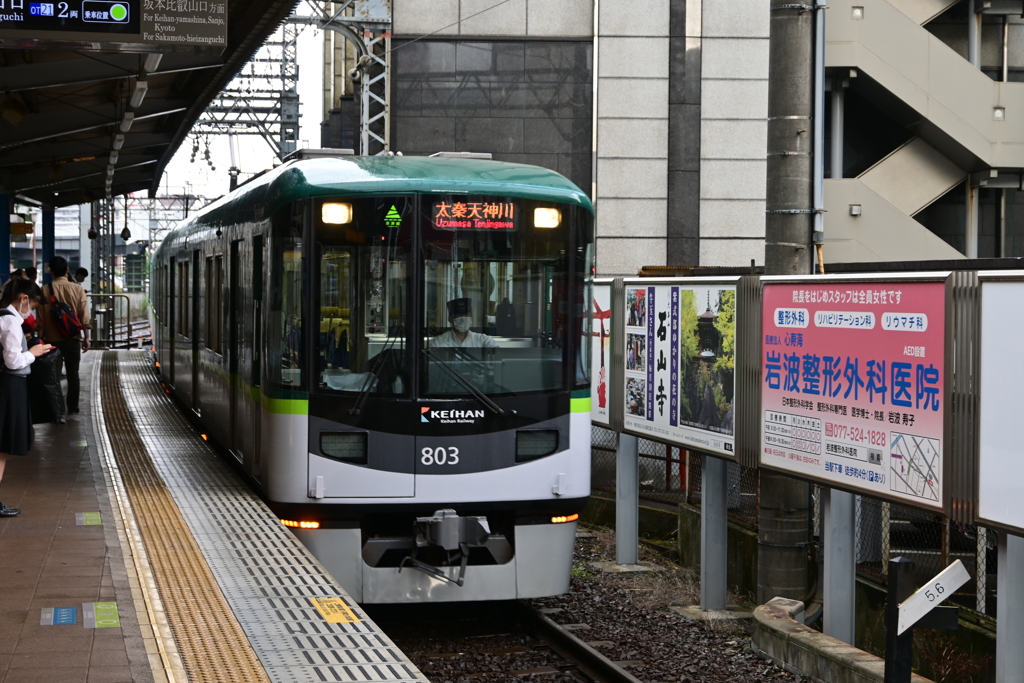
(19, 299)
(460, 316)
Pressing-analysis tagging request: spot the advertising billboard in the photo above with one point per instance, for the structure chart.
(1000, 449)
(853, 386)
(601, 355)
(679, 358)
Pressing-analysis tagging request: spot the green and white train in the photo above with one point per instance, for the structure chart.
(315, 321)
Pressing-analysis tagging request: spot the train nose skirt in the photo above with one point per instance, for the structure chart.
(243, 599)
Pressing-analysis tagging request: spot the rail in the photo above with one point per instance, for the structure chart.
(586, 659)
(112, 327)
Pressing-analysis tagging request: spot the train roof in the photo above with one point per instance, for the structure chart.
(358, 175)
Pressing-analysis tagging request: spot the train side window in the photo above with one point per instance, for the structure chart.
(184, 312)
(214, 302)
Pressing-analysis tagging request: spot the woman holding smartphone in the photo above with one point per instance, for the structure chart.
(19, 299)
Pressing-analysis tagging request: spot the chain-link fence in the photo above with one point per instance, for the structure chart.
(933, 542)
(669, 474)
(884, 530)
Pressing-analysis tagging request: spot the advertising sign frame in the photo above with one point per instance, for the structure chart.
(988, 445)
(946, 450)
(687, 437)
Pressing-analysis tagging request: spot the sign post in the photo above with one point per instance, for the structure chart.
(679, 361)
(905, 611)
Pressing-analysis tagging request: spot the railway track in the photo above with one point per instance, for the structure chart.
(496, 641)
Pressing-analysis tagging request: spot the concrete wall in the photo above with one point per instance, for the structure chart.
(741, 551)
(631, 177)
(520, 18)
(733, 137)
(678, 171)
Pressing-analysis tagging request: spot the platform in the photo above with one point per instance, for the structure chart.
(183, 575)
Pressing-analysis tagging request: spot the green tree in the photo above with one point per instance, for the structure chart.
(726, 326)
(688, 325)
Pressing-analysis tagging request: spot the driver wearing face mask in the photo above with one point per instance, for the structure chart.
(460, 316)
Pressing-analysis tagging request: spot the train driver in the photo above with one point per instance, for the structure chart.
(460, 316)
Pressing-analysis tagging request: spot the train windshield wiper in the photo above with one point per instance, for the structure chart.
(469, 386)
(371, 376)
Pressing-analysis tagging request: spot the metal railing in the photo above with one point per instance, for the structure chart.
(112, 326)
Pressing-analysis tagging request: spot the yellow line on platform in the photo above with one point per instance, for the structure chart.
(208, 642)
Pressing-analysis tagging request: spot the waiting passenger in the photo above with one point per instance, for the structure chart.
(460, 316)
(20, 297)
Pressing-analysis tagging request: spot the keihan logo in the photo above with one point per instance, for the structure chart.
(451, 416)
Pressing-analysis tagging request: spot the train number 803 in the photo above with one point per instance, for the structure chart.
(440, 456)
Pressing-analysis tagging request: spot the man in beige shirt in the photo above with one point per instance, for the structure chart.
(72, 348)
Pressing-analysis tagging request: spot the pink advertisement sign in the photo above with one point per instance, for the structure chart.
(852, 388)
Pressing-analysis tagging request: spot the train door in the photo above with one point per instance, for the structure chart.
(172, 304)
(236, 399)
(257, 352)
(361, 423)
(195, 331)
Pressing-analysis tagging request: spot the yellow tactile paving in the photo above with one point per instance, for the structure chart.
(210, 642)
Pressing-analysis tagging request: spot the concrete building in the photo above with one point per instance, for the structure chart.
(658, 109)
(926, 129)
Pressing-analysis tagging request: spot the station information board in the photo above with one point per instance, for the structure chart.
(601, 352)
(1000, 449)
(853, 385)
(680, 352)
(165, 25)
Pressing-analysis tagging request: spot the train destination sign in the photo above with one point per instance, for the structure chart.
(165, 25)
(853, 385)
(475, 213)
(680, 353)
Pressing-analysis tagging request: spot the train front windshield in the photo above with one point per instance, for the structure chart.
(468, 293)
(496, 280)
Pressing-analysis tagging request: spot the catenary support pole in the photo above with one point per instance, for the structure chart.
(49, 240)
(1010, 610)
(627, 500)
(714, 528)
(838, 513)
(784, 511)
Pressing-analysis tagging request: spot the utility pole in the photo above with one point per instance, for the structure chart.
(784, 517)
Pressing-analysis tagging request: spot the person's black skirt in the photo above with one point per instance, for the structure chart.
(15, 417)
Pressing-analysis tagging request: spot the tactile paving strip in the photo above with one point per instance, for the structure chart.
(263, 572)
(211, 642)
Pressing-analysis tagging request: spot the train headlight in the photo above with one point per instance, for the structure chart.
(565, 518)
(546, 217)
(336, 213)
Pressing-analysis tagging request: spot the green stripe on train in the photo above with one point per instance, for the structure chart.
(286, 406)
(580, 405)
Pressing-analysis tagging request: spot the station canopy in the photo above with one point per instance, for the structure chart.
(74, 107)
